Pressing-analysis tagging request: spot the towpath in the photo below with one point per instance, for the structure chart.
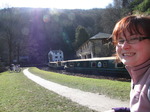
(93, 101)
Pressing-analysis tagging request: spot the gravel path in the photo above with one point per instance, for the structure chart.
(94, 101)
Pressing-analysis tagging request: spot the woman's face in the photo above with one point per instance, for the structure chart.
(133, 54)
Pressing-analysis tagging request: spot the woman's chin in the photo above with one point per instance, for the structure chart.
(127, 62)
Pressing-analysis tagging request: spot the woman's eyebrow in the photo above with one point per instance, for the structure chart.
(120, 38)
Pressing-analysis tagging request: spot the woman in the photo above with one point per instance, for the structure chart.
(131, 37)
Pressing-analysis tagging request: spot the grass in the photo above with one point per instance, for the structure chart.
(19, 94)
(114, 89)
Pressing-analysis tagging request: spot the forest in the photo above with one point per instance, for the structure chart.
(30, 33)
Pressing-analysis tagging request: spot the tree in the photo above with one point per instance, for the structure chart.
(143, 7)
(81, 36)
(117, 4)
(109, 18)
(125, 3)
(10, 33)
(7, 32)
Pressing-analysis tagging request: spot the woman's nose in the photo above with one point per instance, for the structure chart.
(126, 45)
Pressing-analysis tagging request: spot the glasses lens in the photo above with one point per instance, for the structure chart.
(121, 41)
(133, 40)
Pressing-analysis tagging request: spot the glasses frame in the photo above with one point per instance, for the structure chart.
(130, 40)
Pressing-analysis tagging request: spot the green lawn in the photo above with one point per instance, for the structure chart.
(114, 89)
(19, 94)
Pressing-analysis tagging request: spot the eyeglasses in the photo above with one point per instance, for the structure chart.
(132, 40)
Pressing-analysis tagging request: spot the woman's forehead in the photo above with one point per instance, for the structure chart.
(131, 32)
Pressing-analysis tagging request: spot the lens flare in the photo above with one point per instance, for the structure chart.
(46, 18)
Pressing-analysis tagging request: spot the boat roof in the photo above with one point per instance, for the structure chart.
(93, 59)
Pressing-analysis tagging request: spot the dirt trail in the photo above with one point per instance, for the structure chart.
(94, 101)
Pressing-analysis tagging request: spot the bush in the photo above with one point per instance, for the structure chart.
(2, 67)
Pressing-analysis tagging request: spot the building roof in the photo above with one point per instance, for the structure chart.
(55, 51)
(100, 36)
(97, 36)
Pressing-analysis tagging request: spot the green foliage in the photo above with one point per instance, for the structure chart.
(143, 7)
(139, 6)
(134, 3)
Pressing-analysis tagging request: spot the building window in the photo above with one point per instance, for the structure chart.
(93, 64)
(105, 64)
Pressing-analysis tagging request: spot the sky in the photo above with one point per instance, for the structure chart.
(59, 4)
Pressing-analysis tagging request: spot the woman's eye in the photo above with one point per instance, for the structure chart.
(134, 39)
(121, 41)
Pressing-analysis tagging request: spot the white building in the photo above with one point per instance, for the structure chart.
(55, 55)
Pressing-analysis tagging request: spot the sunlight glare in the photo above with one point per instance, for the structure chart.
(61, 4)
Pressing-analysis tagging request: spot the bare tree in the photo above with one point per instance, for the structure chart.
(10, 31)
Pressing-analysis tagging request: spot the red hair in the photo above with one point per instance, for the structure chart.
(132, 24)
